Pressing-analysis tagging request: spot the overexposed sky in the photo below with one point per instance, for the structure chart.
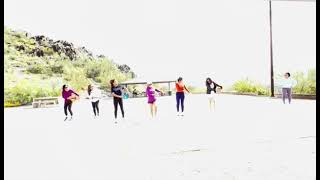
(164, 39)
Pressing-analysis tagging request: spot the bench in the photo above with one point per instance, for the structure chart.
(45, 102)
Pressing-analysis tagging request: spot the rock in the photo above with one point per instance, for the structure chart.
(38, 52)
(20, 48)
(124, 68)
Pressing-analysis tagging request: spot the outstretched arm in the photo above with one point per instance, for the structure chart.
(75, 93)
(217, 85)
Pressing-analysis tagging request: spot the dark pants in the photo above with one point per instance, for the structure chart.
(180, 100)
(95, 106)
(286, 92)
(117, 101)
(67, 106)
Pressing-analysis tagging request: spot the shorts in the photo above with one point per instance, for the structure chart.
(211, 96)
(151, 101)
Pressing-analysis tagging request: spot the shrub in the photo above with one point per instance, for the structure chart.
(37, 69)
(306, 84)
(76, 78)
(248, 86)
(25, 90)
(57, 68)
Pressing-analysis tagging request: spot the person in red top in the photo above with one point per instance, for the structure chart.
(180, 88)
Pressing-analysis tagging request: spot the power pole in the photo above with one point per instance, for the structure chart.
(271, 50)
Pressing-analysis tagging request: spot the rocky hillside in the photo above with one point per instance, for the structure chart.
(45, 64)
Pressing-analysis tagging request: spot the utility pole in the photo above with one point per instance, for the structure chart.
(271, 50)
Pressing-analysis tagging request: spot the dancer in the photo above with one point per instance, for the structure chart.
(181, 89)
(69, 96)
(150, 91)
(211, 86)
(117, 92)
(287, 84)
(94, 95)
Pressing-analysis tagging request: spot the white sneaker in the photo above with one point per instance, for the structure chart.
(182, 114)
(178, 113)
(66, 118)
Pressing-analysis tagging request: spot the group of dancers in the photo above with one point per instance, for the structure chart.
(119, 93)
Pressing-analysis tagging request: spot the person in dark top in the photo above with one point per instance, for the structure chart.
(117, 93)
(211, 86)
(69, 96)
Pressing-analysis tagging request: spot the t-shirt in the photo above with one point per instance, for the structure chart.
(117, 90)
(181, 88)
(151, 94)
(67, 94)
(288, 83)
(95, 95)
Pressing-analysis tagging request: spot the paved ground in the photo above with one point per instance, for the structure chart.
(246, 138)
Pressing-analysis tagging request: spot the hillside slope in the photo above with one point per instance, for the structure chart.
(37, 66)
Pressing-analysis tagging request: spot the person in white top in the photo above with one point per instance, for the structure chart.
(287, 84)
(94, 94)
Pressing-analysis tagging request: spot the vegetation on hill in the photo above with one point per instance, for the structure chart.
(306, 84)
(37, 66)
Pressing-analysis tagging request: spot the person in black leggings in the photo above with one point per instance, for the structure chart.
(68, 95)
(94, 94)
(117, 92)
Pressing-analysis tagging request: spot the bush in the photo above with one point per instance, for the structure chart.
(37, 69)
(76, 78)
(25, 90)
(57, 68)
(93, 70)
(248, 86)
(306, 84)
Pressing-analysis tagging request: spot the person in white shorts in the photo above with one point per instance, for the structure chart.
(211, 86)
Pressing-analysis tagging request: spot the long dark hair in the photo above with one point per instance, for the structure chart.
(89, 89)
(209, 81)
(111, 83)
(287, 73)
(64, 86)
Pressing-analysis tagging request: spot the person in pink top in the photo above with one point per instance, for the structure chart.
(151, 94)
(69, 96)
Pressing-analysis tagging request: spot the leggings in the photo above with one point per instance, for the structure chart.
(95, 106)
(286, 92)
(67, 105)
(117, 101)
(180, 99)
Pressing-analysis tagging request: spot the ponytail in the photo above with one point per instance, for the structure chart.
(111, 83)
(89, 89)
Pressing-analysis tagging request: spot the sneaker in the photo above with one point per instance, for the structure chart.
(182, 114)
(70, 118)
(66, 118)
(178, 113)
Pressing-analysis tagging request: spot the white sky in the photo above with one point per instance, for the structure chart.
(164, 39)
